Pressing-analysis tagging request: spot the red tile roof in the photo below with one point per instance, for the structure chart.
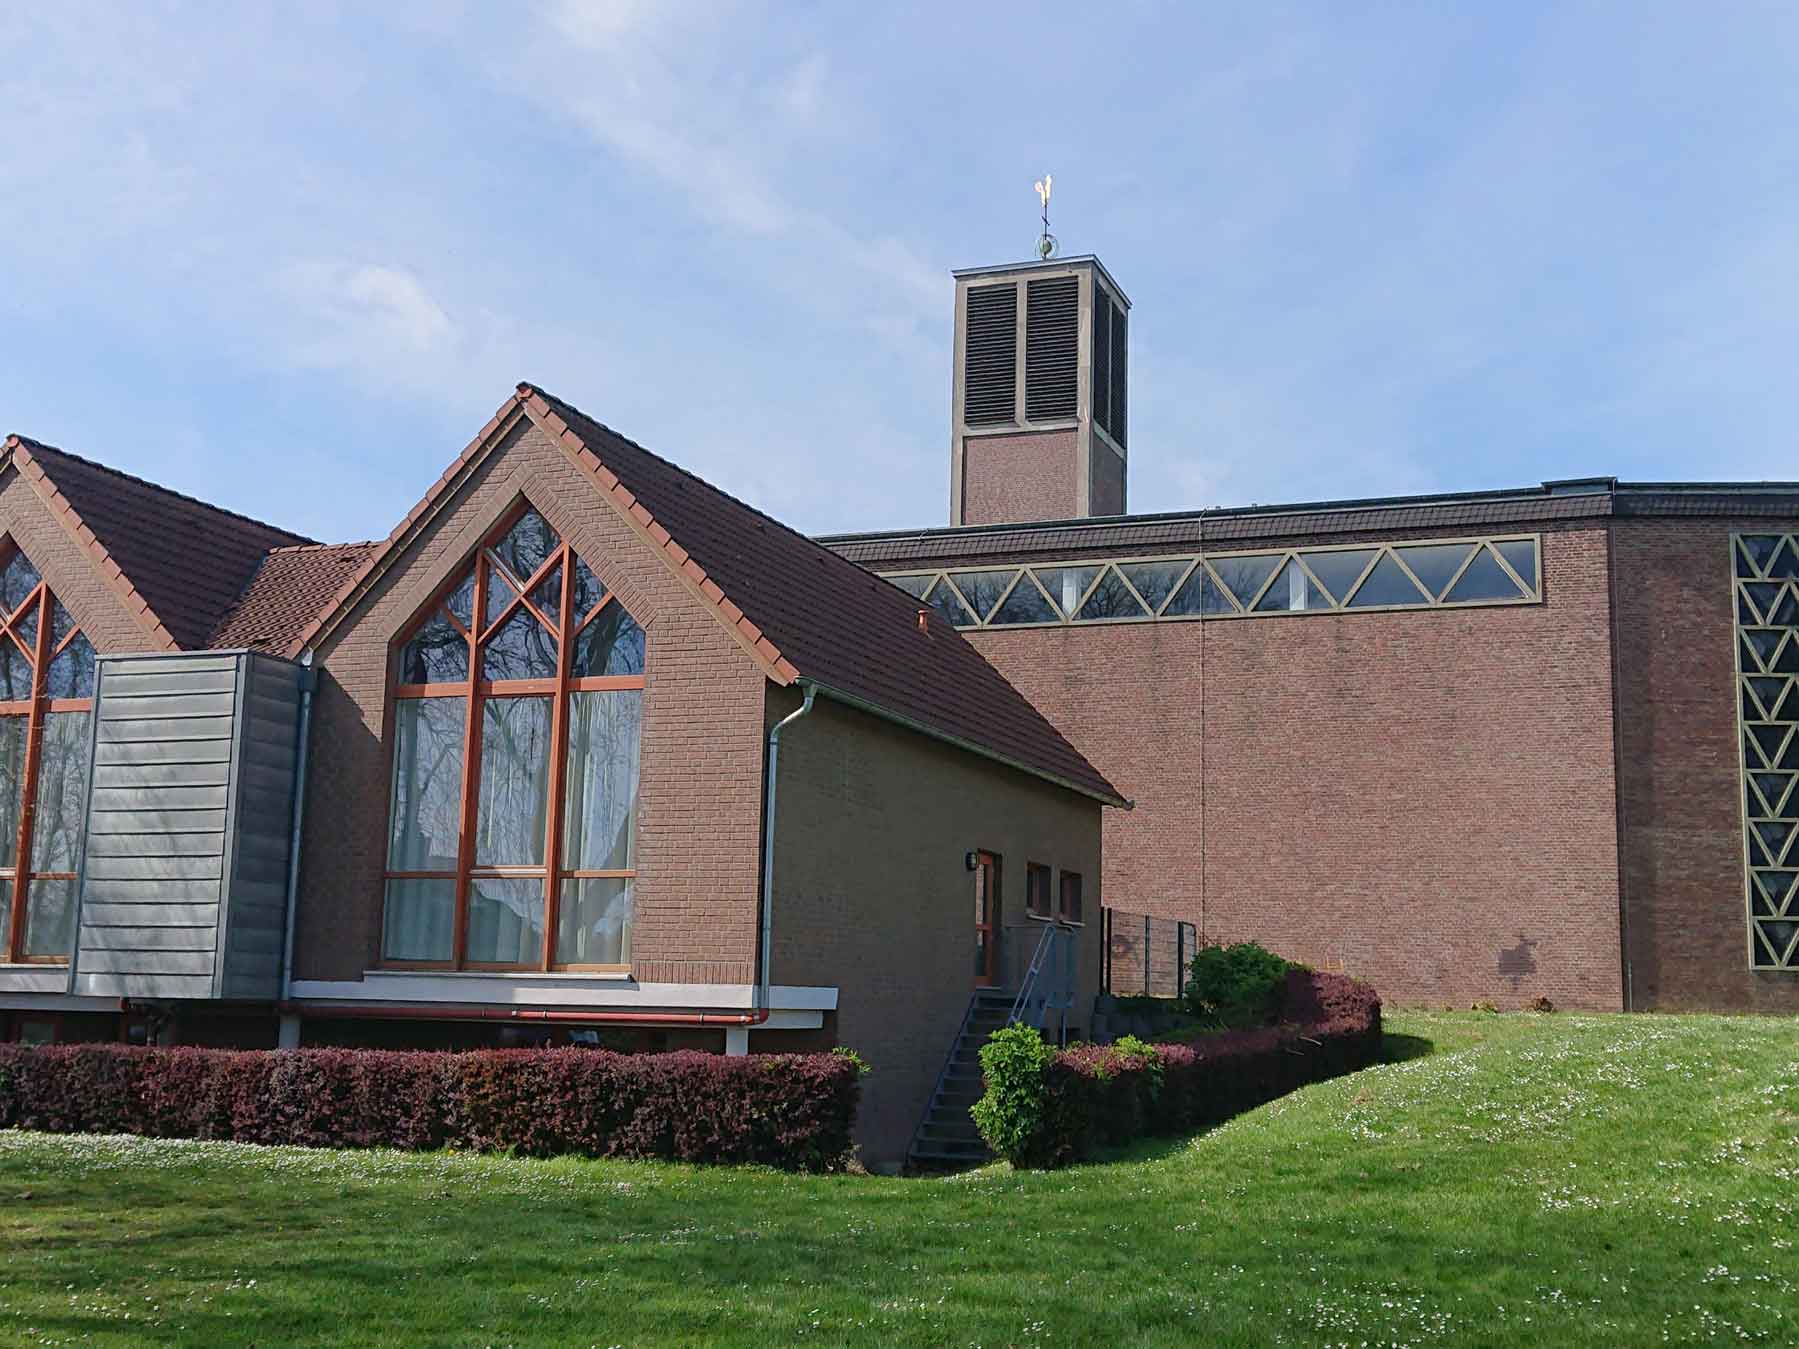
(288, 591)
(179, 562)
(804, 613)
(812, 612)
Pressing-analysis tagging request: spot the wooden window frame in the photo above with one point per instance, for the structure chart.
(990, 862)
(40, 652)
(565, 628)
(1062, 914)
(1033, 870)
(12, 1027)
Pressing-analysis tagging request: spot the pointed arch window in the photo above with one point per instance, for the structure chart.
(518, 715)
(46, 701)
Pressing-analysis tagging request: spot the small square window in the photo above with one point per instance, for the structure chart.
(1071, 897)
(1036, 890)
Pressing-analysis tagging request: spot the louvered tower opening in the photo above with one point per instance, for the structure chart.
(1110, 348)
(1052, 348)
(989, 355)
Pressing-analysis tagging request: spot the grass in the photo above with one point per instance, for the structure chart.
(1559, 1179)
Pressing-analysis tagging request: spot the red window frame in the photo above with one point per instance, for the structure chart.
(987, 918)
(1036, 891)
(565, 627)
(39, 650)
(1068, 912)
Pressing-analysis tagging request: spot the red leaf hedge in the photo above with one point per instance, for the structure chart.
(1094, 1095)
(788, 1110)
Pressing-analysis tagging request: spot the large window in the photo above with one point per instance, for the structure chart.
(1766, 568)
(1353, 578)
(518, 710)
(46, 699)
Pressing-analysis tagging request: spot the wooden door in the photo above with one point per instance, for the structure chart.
(986, 920)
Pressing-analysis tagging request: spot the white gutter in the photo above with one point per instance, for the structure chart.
(768, 846)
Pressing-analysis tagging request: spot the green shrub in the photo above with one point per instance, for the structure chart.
(1047, 1108)
(1010, 1111)
(1136, 1052)
(1235, 986)
(861, 1064)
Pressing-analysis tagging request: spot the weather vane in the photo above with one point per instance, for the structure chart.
(1046, 242)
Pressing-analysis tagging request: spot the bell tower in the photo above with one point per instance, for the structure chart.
(1037, 408)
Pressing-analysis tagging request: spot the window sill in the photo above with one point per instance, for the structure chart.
(620, 975)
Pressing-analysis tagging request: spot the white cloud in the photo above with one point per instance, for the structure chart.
(668, 89)
(361, 314)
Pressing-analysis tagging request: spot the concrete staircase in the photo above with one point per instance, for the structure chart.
(947, 1136)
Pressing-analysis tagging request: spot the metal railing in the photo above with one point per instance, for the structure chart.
(1146, 955)
(1048, 985)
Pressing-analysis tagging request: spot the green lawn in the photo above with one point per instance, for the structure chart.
(1557, 1179)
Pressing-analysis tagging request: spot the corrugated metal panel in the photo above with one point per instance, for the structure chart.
(184, 857)
(263, 825)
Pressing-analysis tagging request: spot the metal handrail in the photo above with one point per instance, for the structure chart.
(1027, 987)
(1054, 936)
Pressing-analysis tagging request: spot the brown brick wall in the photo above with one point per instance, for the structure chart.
(873, 894)
(95, 605)
(1028, 476)
(1686, 933)
(699, 818)
(1422, 799)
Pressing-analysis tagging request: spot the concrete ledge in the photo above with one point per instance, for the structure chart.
(556, 990)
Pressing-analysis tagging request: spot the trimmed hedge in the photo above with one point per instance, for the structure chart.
(1090, 1096)
(787, 1110)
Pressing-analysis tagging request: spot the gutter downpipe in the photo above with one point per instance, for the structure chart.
(757, 1017)
(764, 986)
(308, 682)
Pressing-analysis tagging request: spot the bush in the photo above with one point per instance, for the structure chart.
(1089, 1096)
(1010, 1111)
(788, 1110)
(1235, 986)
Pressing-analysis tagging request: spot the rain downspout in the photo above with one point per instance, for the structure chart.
(308, 681)
(764, 988)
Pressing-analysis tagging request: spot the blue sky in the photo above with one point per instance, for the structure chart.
(291, 260)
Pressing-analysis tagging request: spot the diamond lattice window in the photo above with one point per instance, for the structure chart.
(1438, 573)
(1766, 568)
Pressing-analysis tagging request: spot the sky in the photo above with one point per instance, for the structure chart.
(290, 258)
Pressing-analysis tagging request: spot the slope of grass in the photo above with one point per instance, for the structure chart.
(1564, 1180)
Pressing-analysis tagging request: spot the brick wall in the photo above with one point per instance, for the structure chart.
(1422, 799)
(1686, 933)
(873, 894)
(699, 817)
(95, 605)
(1027, 476)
